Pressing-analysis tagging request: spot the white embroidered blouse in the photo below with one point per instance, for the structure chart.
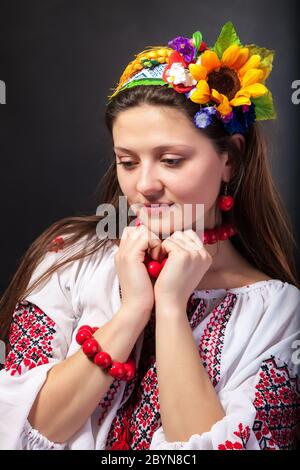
(248, 339)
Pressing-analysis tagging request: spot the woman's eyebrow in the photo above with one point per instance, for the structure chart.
(165, 147)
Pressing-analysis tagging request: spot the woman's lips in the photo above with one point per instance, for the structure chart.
(161, 209)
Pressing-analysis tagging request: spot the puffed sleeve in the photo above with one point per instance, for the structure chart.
(259, 390)
(39, 338)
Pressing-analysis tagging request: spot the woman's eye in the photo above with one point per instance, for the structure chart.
(171, 162)
(126, 164)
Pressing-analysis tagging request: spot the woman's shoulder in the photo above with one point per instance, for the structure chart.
(77, 257)
(251, 287)
(229, 279)
(95, 264)
(72, 265)
(240, 276)
(264, 314)
(86, 282)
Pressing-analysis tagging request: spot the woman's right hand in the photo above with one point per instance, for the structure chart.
(136, 285)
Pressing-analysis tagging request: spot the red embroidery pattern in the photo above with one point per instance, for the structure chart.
(56, 244)
(30, 336)
(195, 310)
(106, 402)
(212, 340)
(139, 417)
(277, 401)
(243, 434)
(197, 306)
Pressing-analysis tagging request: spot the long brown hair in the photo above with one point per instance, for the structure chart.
(264, 230)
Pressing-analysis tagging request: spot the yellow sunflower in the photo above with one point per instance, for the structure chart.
(230, 81)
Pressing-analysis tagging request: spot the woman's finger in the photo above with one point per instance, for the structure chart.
(170, 244)
(153, 241)
(194, 236)
(185, 241)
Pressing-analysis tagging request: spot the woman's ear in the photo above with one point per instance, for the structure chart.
(239, 141)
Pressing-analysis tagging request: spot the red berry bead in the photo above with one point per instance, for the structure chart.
(117, 370)
(213, 236)
(163, 262)
(231, 229)
(103, 359)
(85, 327)
(90, 347)
(82, 336)
(225, 203)
(154, 268)
(130, 370)
(223, 233)
(206, 237)
(94, 329)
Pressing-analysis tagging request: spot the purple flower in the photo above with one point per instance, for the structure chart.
(226, 118)
(210, 110)
(203, 118)
(184, 47)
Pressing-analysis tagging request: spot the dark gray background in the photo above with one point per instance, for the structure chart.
(59, 60)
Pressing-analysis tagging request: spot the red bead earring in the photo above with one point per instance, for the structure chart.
(225, 202)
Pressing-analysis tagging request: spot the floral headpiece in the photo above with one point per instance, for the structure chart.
(226, 80)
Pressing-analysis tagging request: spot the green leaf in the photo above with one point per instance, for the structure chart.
(264, 107)
(267, 57)
(227, 37)
(197, 38)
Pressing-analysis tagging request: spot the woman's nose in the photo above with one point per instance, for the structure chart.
(149, 182)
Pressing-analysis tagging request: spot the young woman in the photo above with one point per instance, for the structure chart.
(196, 349)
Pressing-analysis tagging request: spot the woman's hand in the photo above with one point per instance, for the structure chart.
(136, 285)
(187, 263)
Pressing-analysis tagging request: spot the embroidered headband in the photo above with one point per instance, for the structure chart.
(226, 80)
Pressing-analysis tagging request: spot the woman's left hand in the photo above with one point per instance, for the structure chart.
(187, 263)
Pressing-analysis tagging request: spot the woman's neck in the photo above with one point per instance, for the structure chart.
(224, 256)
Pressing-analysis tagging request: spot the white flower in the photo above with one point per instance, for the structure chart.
(177, 74)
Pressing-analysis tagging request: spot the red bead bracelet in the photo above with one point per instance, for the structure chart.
(91, 348)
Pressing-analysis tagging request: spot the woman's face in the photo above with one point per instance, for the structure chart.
(167, 159)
